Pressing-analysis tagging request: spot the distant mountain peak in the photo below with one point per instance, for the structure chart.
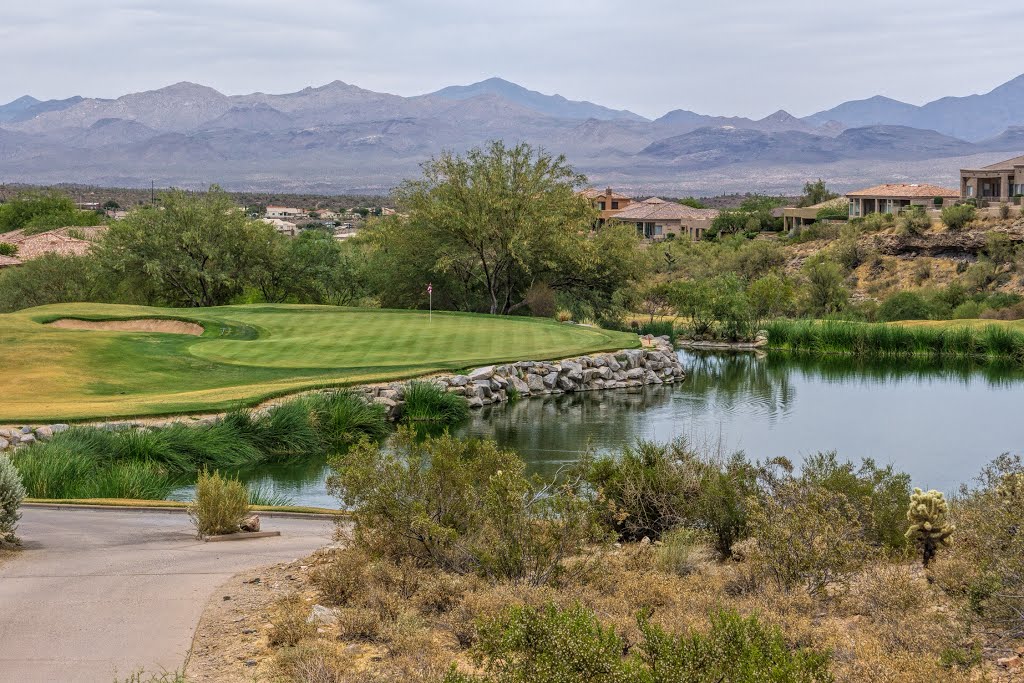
(551, 105)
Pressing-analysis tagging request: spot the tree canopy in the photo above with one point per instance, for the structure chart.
(487, 227)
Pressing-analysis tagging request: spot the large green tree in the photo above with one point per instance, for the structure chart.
(191, 250)
(487, 226)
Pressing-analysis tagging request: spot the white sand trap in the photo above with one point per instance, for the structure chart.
(139, 325)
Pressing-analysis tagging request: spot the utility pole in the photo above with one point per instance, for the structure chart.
(152, 192)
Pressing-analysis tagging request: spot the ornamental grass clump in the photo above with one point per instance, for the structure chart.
(929, 528)
(12, 492)
(221, 505)
(428, 402)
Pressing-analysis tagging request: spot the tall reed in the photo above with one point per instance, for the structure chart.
(989, 343)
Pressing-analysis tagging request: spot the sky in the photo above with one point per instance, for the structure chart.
(741, 57)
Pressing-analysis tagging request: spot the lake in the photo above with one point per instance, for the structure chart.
(940, 423)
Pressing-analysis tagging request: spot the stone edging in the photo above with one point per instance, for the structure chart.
(654, 363)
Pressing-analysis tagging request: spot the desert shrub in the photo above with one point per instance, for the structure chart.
(985, 567)
(429, 402)
(913, 221)
(1004, 210)
(734, 649)
(463, 506)
(342, 577)
(541, 300)
(220, 505)
(807, 536)
(50, 279)
(8, 249)
(289, 621)
(12, 492)
(682, 552)
(958, 217)
(652, 488)
(905, 306)
(879, 494)
(552, 645)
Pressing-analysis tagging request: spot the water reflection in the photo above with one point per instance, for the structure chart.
(938, 421)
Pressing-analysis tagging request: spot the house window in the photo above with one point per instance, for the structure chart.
(854, 208)
(615, 204)
(970, 190)
(601, 205)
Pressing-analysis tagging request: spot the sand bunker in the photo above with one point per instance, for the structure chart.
(140, 325)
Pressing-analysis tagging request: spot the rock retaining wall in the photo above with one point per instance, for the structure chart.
(654, 363)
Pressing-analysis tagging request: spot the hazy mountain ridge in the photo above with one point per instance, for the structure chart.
(339, 134)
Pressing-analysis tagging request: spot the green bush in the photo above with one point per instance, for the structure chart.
(958, 217)
(553, 645)
(904, 306)
(220, 505)
(38, 211)
(653, 488)
(429, 402)
(7, 249)
(50, 279)
(913, 221)
(807, 536)
(59, 471)
(463, 506)
(879, 494)
(12, 492)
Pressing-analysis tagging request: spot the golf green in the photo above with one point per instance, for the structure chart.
(249, 353)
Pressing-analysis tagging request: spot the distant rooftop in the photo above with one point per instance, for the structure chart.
(905, 190)
(656, 208)
(1005, 165)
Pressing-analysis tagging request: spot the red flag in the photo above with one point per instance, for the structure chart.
(430, 288)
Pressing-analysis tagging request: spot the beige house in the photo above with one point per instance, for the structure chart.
(607, 202)
(285, 212)
(796, 217)
(894, 197)
(997, 183)
(656, 219)
(283, 227)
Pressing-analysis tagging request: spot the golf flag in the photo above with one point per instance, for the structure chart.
(430, 288)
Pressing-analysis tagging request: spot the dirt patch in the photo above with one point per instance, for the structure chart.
(230, 645)
(139, 325)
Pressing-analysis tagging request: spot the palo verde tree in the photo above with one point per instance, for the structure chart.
(490, 225)
(191, 250)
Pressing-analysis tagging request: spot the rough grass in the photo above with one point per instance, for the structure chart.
(250, 353)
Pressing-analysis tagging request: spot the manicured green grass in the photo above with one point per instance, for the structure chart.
(249, 353)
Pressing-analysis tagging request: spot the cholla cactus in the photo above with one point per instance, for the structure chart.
(928, 526)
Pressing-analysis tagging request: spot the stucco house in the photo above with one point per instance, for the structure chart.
(656, 219)
(795, 217)
(606, 201)
(997, 182)
(285, 212)
(894, 197)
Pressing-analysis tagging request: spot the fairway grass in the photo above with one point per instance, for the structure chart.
(250, 353)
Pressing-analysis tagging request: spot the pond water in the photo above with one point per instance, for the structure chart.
(939, 423)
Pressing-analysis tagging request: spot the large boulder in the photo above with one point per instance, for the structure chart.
(482, 373)
(634, 374)
(536, 383)
(522, 387)
(250, 523)
(550, 380)
(565, 383)
(459, 380)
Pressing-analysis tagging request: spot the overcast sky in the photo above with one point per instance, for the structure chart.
(737, 57)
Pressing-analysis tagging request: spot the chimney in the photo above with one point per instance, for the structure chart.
(608, 192)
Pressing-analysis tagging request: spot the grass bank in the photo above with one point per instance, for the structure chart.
(940, 340)
(250, 353)
(93, 463)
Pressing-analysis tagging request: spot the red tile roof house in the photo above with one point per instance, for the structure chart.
(656, 219)
(894, 197)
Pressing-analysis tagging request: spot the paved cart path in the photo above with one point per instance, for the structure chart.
(99, 593)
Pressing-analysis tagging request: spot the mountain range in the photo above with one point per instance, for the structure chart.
(340, 137)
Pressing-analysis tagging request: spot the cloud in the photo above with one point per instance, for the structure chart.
(746, 57)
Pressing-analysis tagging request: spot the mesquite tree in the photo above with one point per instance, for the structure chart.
(928, 525)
